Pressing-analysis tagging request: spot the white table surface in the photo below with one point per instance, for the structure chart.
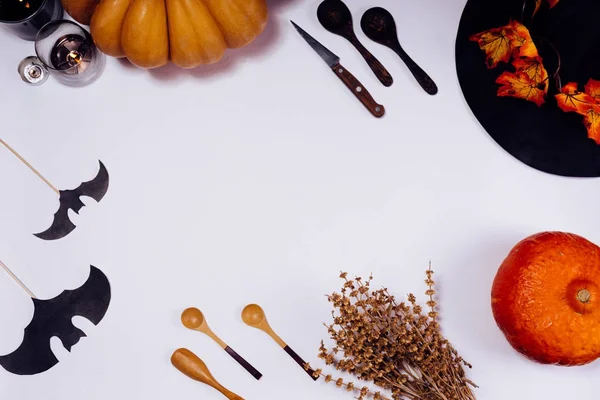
(258, 180)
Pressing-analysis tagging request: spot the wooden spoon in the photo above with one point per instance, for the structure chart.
(193, 319)
(254, 316)
(192, 366)
(335, 16)
(379, 25)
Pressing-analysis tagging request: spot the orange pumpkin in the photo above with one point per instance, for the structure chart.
(546, 298)
(80, 10)
(150, 33)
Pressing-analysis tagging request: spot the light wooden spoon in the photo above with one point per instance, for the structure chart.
(254, 316)
(190, 365)
(193, 319)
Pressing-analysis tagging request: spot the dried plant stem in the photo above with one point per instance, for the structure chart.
(393, 345)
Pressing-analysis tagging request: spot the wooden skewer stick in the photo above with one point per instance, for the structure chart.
(10, 273)
(35, 171)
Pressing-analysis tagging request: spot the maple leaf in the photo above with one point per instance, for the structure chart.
(592, 123)
(593, 89)
(521, 86)
(584, 103)
(572, 100)
(534, 68)
(496, 43)
(500, 44)
(522, 41)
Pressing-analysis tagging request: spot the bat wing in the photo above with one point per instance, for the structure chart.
(92, 299)
(97, 187)
(53, 318)
(33, 356)
(61, 225)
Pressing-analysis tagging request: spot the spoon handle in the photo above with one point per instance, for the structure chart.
(378, 69)
(228, 393)
(300, 362)
(247, 366)
(421, 76)
(359, 90)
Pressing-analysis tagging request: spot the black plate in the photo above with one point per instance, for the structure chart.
(545, 138)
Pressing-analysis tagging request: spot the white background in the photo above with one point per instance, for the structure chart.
(258, 180)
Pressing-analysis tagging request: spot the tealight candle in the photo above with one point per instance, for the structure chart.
(25, 18)
(68, 52)
(71, 54)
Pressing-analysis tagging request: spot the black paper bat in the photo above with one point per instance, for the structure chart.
(69, 199)
(53, 318)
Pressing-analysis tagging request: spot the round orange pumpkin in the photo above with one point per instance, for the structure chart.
(150, 33)
(546, 298)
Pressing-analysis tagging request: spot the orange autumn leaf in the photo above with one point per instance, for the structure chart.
(572, 100)
(592, 123)
(500, 44)
(521, 86)
(534, 68)
(522, 42)
(584, 103)
(496, 43)
(593, 89)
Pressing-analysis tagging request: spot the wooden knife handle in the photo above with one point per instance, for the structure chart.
(359, 90)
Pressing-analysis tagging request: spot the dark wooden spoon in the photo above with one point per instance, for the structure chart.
(335, 16)
(379, 26)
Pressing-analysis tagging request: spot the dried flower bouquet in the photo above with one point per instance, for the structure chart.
(394, 345)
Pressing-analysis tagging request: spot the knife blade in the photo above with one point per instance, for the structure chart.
(333, 61)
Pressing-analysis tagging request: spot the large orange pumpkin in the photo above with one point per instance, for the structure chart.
(150, 33)
(546, 298)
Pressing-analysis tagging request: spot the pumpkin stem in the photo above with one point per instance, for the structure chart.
(584, 296)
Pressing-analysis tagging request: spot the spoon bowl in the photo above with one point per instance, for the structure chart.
(192, 318)
(335, 16)
(192, 366)
(379, 25)
(253, 315)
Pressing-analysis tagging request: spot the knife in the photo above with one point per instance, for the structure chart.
(341, 72)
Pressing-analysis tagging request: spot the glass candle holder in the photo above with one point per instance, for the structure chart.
(32, 71)
(25, 18)
(68, 52)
